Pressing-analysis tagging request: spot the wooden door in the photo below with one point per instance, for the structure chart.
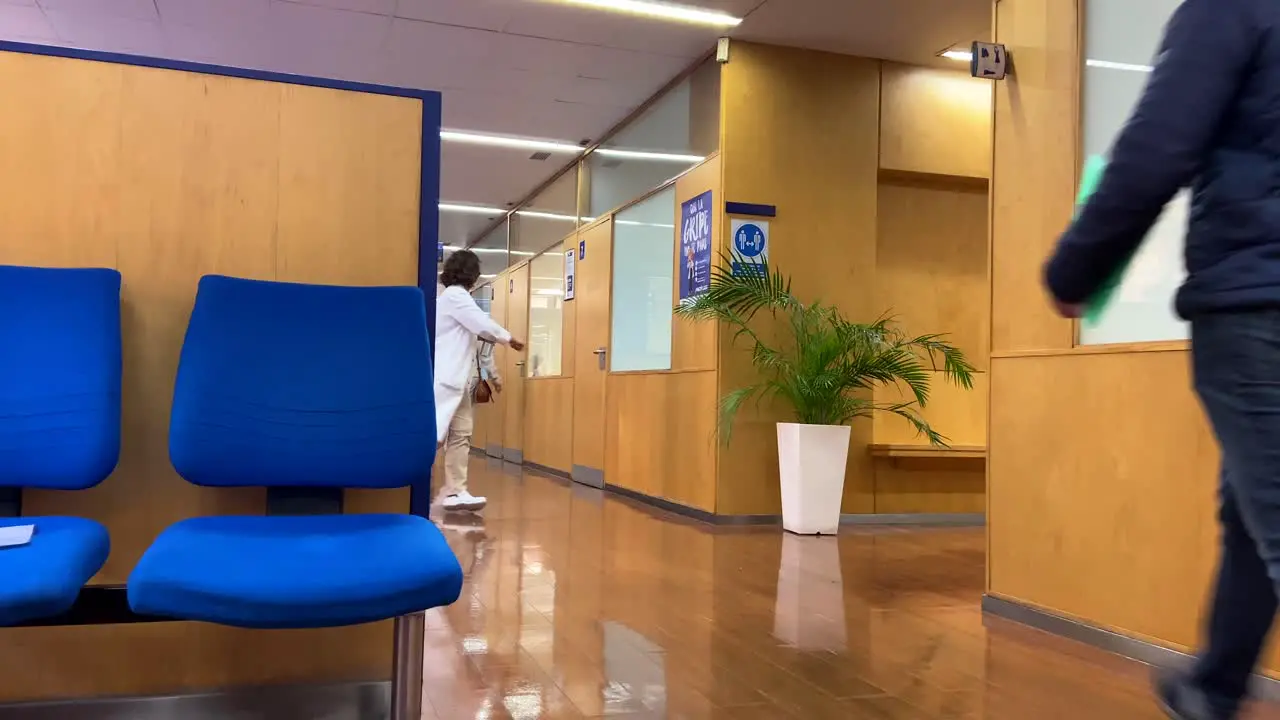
(480, 429)
(513, 367)
(593, 296)
(494, 415)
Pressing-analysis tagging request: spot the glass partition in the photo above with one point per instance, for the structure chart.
(546, 218)
(643, 267)
(675, 133)
(1121, 41)
(492, 251)
(546, 313)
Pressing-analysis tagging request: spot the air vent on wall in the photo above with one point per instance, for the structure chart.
(540, 156)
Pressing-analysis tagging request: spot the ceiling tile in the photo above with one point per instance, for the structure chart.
(564, 22)
(416, 43)
(242, 15)
(133, 9)
(376, 7)
(23, 23)
(481, 14)
(26, 3)
(499, 113)
(108, 33)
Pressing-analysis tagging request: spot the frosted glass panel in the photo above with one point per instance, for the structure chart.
(643, 263)
(1121, 41)
(546, 313)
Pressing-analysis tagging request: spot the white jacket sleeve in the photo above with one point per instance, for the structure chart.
(463, 308)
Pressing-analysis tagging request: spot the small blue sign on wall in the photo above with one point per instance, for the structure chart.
(439, 252)
(750, 246)
(582, 249)
(695, 246)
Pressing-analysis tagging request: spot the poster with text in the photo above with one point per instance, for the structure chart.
(695, 246)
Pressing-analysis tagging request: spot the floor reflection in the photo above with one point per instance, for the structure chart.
(578, 605)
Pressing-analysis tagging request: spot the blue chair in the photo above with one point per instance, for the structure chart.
(60, 373)
(285, 385)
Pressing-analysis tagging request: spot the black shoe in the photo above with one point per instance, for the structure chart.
(1181, 701)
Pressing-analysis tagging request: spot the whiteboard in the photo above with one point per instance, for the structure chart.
(1121, 39)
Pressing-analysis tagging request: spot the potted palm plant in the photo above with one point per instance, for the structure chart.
(826, 368)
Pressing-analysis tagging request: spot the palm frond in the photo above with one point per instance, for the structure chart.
(826, 367)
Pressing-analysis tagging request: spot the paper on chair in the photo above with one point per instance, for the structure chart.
(14, 535)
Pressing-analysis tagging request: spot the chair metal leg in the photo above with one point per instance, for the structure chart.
(406, 669)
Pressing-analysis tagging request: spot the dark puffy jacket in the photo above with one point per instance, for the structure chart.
(1209, 118)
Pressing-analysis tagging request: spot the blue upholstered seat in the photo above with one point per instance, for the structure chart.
(283, 384)
(44, 578)
(60, 372)
(296, 572)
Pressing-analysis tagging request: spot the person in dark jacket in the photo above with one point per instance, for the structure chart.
(1210, 119)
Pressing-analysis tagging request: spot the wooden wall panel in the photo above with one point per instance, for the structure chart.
(1036, 114)
(339, 197)
(660, 439)
(813, 151)
(592, 319)
(548, 424)
(167, 176)
(931, 259)
(512, 363)
(695, 346)
(1103, 474)
(496, 413)
(935, 121)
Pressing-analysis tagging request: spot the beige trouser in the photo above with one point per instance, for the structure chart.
(457, 447)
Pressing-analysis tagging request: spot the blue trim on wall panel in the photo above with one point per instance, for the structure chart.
(429, 179)
(428, 240)
(208, 69)
(752, 209)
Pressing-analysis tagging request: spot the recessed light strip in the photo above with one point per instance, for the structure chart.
(646, 155)
(964, 55)
(508, 141)
(662, 11)
(470, 209)
(1128, 67)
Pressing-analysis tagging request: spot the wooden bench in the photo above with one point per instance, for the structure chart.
(921, 451)
(918, 456)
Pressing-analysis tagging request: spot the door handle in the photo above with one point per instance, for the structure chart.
(600, 353)
(519, 368)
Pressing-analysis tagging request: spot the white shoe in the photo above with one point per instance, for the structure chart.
(464, 501)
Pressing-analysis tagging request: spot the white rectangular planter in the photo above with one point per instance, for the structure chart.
(811, 462)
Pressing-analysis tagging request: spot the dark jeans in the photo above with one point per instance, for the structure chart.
(1236, 360)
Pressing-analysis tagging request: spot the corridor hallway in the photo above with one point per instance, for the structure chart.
(581, 605)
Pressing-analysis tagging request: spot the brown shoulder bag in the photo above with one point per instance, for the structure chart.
(482, 392)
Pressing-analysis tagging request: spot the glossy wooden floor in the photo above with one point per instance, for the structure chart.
(580, 605)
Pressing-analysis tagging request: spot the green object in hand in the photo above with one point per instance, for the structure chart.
(1097, 303)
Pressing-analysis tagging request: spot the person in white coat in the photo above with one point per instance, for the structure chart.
(460, 324)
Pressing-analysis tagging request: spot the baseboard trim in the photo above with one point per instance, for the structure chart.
(917, 519)
(661, 504)
(545, 470)
(493, 451)
(589, 476)
(515, 457)
(1112, 642)
(357, 701)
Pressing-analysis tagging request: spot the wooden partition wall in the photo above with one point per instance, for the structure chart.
(879, 176)
(931, 275)
(168, 175)
(1102, 469)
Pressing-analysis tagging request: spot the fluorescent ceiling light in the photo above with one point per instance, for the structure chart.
(645, 155)
(488, 277)
(662, 11)
(1108, 65)
(506, 141)
(964, 55)
(545, 215)
(645, 224)
(473, 209)
(523, 253)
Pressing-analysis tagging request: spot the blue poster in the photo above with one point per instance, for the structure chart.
(695, 246)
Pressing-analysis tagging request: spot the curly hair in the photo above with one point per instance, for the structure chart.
(462, 267)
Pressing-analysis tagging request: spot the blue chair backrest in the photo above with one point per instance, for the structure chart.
(59, 376)
(284, 384)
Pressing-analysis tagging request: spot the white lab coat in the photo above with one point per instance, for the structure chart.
(459, 323)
